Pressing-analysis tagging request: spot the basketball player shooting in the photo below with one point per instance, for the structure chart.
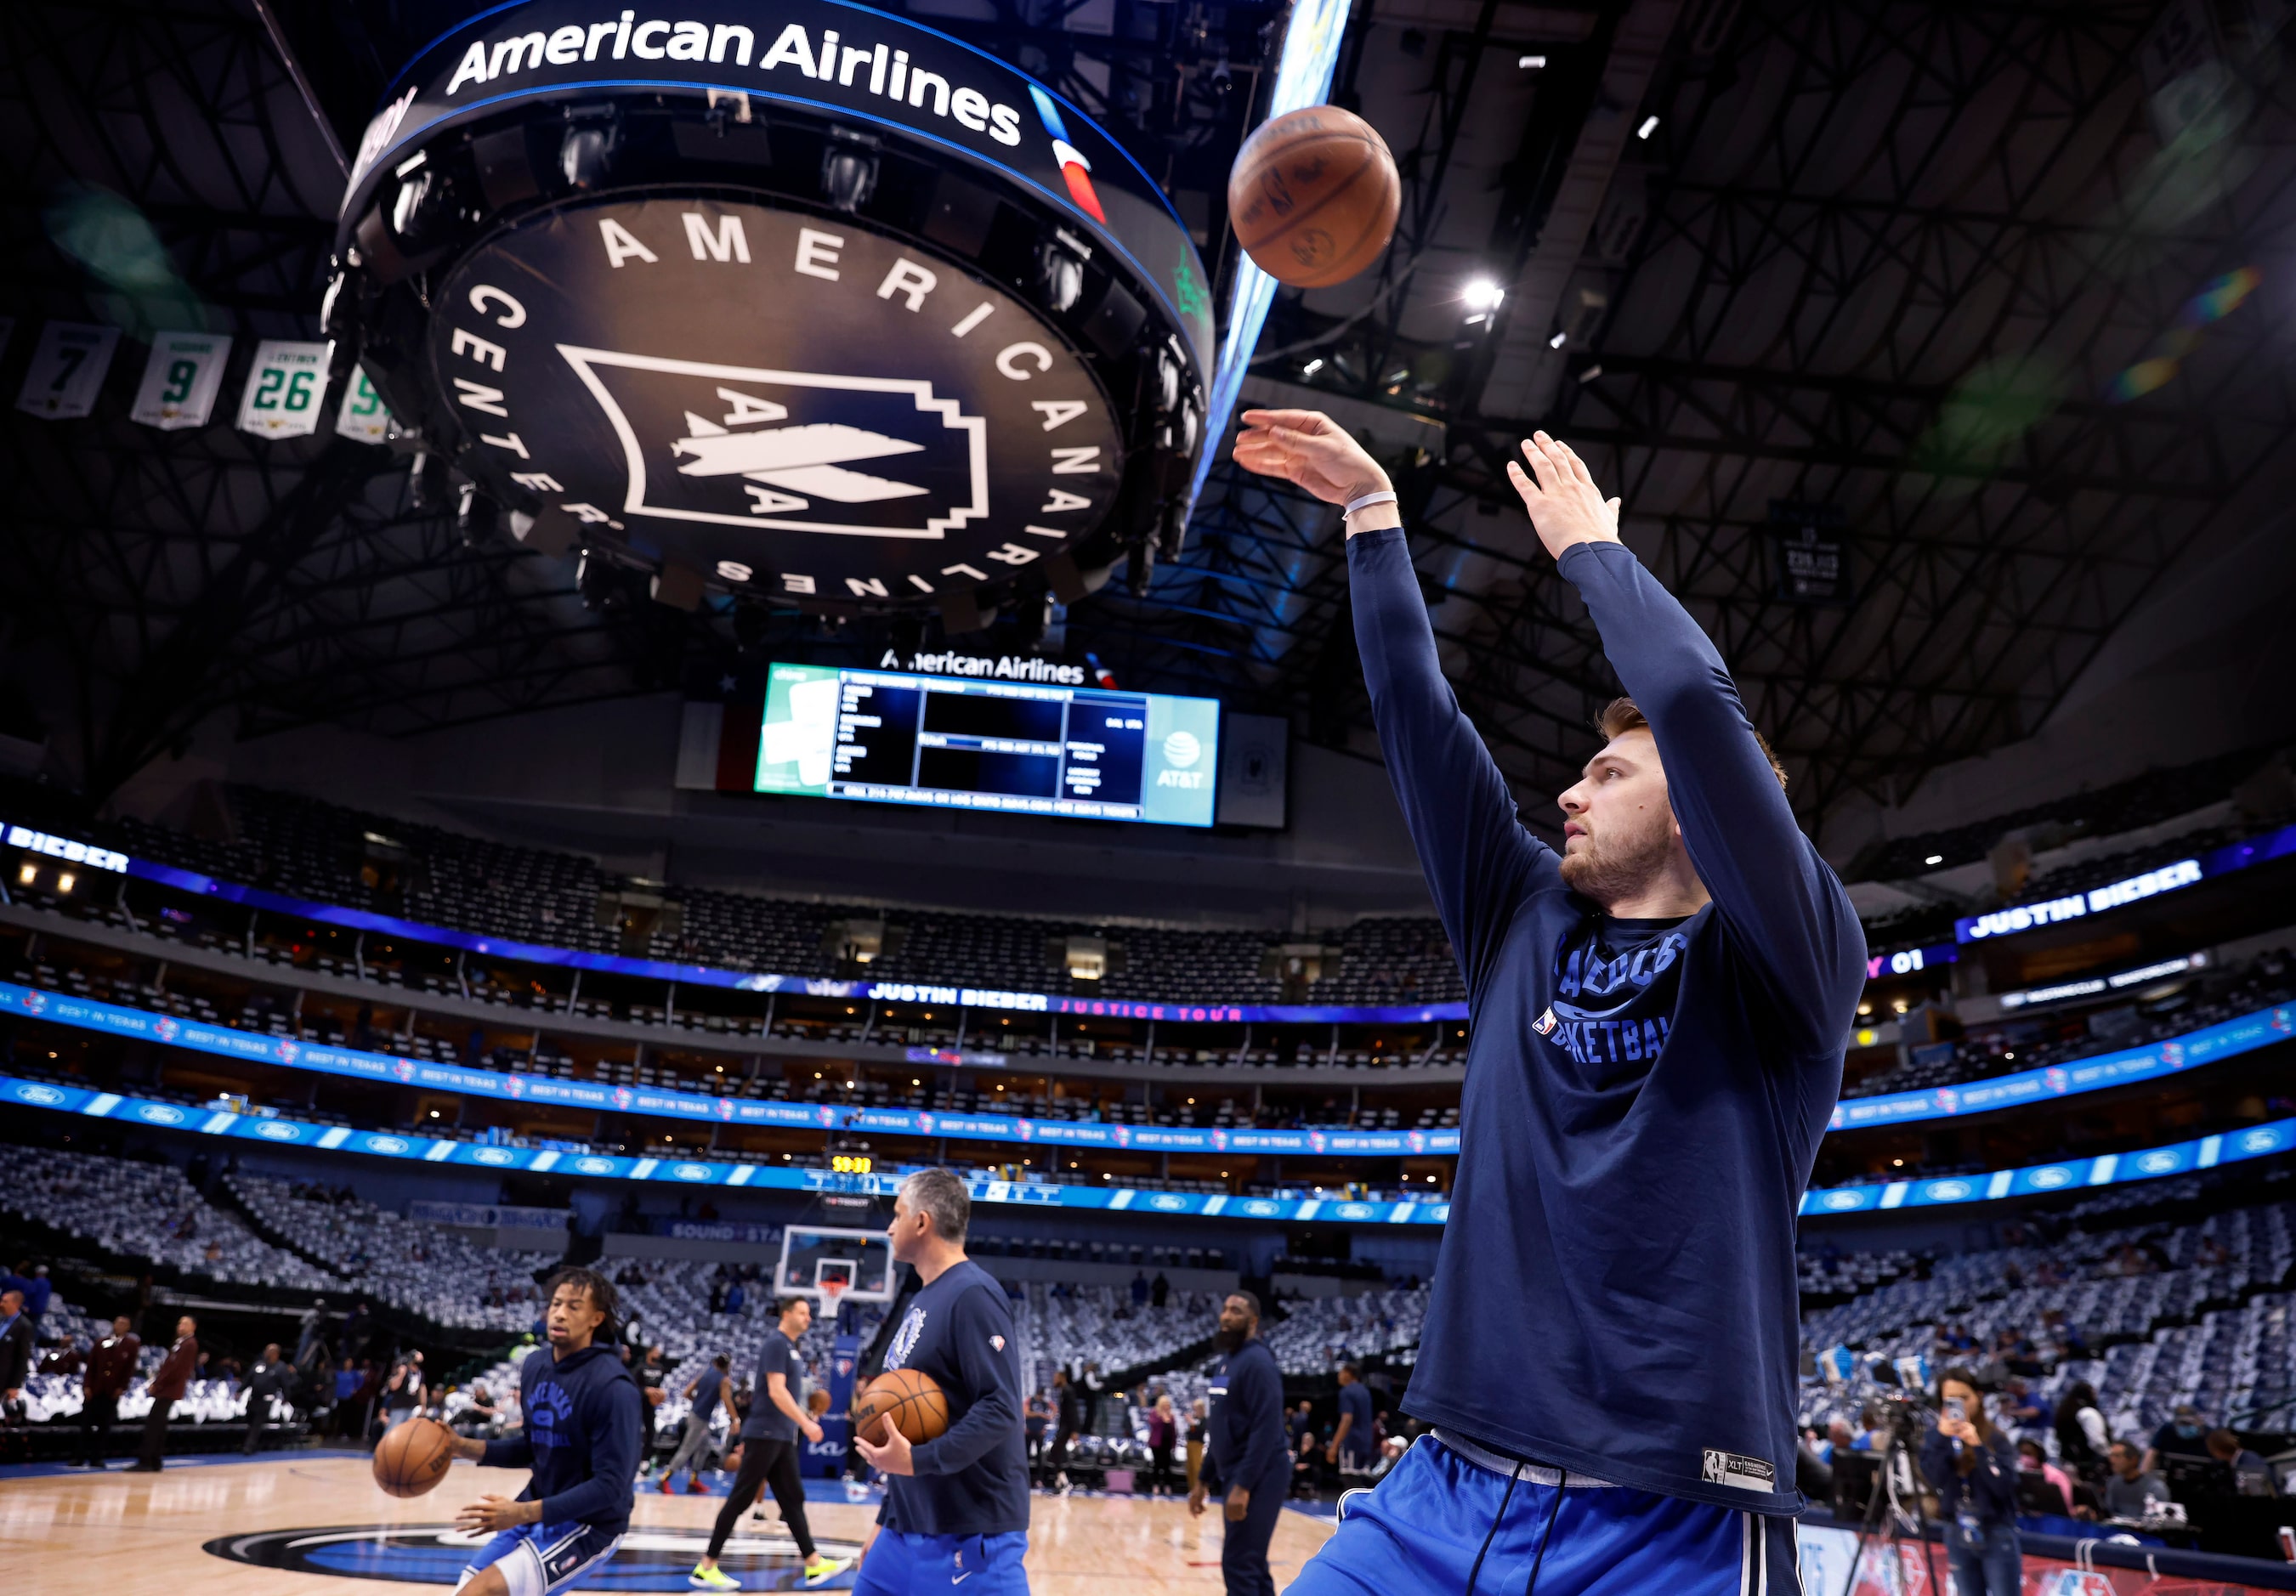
(1661, 1013)
(584, 1421)
(956, 1507)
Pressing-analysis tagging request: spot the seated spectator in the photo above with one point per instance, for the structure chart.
(2080, 1433)
(2032, 1459)
(2131, 1485)
(2022, 1408)
(2252, 1475)
(2183, 1436)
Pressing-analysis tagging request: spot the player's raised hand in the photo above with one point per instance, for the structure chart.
(1309, 450)
(1565, 506)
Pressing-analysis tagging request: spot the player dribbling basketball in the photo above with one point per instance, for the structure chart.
(583, 1423)
(1660, 1012)
(956, 1507)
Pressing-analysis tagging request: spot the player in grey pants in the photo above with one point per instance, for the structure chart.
(704, 1391)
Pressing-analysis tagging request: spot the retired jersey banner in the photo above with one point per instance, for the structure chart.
(283, 389)
(363, 418)
(182, 379)
(67, 370)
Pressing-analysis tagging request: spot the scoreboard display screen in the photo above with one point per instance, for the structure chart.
(1023, 747)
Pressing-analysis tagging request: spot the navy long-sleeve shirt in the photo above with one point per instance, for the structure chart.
(1615, 1293)
(584, 1422)
(972, 1479)
(1246, 1445)
(1989, 1488)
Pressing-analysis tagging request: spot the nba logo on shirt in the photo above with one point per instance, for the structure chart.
(1544, 1024)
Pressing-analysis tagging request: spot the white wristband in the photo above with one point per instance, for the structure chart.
(1367, 501)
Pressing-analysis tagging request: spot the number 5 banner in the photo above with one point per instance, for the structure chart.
(67, 370)
(284, 389)
(181, 380)
(363, 418)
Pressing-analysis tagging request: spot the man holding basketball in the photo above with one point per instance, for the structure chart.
(1659, 1018)
(585, 1423)
(769, 1455)
(956, 1507)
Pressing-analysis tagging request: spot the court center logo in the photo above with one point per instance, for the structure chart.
(785, 406)
(649, 1559)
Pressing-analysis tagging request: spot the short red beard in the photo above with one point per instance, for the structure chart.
(1625, 865)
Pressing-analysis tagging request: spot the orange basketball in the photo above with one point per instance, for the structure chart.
(913, 1401)
(1313, 196)
(413, 1458)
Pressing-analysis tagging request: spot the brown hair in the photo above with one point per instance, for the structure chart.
(1621, 715)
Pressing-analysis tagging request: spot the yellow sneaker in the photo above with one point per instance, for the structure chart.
(712, 1579)
(819, 1568)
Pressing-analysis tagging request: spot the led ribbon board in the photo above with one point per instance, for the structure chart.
(813, 305)
(2206, 1152)
(2179, 1055)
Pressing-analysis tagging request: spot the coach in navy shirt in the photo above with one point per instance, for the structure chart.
(1247, 1458)
(956, 1507)
(1660, 1013)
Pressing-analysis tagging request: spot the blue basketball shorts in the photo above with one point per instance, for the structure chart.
(971, 1564)
(540, 1559)
(1425, 1525)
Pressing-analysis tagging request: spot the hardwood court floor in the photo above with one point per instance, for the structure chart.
(141, 1534)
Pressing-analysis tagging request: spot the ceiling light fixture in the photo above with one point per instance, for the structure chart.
(1530, 63)
(1649, 126)
(1483, 294)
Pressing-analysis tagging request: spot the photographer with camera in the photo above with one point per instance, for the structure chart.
(1973, 1469)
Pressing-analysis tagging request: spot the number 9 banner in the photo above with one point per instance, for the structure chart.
(284, 389)
(181, 380)
(363, 418)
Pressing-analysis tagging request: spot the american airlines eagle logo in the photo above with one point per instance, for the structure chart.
(791, 451)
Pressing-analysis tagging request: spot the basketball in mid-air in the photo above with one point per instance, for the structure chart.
(413, 1457)
(1313, 196)
(914, 1403)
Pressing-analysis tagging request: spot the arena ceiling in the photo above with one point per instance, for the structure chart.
(1982, 299)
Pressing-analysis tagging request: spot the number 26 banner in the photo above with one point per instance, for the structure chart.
(181, 380)
(283, 389)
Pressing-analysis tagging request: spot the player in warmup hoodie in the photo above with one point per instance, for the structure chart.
(584, 1424)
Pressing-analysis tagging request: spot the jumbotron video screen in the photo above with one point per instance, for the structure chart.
(890, 737)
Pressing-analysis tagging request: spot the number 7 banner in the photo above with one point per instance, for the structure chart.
(181, 380)
(283, 389)
(67, 370)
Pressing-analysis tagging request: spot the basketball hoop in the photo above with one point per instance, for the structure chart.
(832, 1288)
